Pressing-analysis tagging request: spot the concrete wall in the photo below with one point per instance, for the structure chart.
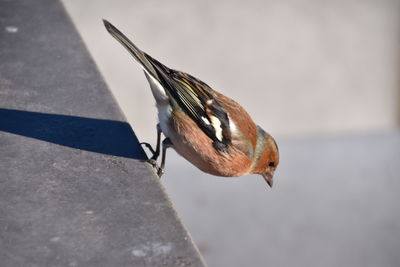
(74, 187)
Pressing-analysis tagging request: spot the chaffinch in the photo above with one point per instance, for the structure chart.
(210, 130)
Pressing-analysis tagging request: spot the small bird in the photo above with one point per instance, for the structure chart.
(208, 129)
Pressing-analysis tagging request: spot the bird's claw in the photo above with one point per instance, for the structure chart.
(157, 168)
(160, 172)
(156, 152)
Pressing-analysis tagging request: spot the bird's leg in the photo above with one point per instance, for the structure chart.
(166, 143)
(155, 152)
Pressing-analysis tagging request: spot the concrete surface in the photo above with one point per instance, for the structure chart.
(74, 190)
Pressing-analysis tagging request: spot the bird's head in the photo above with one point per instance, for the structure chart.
(267, 158)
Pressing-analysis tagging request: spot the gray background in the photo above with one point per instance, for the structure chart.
(321, 76)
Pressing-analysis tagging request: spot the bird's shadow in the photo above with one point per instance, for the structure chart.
(97, 135)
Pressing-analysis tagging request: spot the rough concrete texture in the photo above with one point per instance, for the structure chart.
(74, 187)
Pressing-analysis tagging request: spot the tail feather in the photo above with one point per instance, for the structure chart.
(133, 49)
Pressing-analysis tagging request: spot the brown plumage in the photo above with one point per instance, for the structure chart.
(194, 145)
(210, 130)
(191, 143)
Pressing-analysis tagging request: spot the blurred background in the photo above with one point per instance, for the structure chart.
(323, 77)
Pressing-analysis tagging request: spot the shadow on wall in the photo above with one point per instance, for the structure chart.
(102, 136)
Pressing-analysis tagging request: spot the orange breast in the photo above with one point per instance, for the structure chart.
(195, 146)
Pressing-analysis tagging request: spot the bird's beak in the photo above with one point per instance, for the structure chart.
(268, 177)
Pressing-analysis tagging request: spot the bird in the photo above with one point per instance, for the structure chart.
(207, 128)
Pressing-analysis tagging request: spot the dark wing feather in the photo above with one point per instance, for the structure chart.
(195, 98)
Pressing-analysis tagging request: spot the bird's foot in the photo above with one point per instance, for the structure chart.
(157, 168)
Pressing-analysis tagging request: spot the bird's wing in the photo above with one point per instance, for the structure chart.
(191, 95)
(196, 99)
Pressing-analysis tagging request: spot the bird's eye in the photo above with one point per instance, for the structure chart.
(271, 164)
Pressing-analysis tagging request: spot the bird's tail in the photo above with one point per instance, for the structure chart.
(138, 54)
